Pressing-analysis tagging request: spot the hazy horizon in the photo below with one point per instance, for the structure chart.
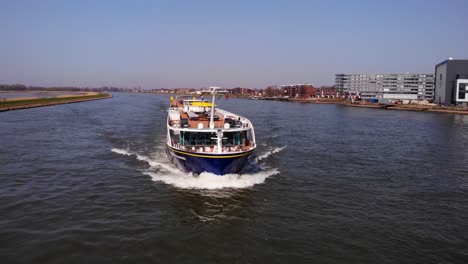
(171, 44)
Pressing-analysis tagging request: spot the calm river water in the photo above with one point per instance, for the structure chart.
(90, 183)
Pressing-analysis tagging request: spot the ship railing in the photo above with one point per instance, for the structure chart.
(212, 148)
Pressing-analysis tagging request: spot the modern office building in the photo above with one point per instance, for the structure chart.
(403, 86)
(451, 82)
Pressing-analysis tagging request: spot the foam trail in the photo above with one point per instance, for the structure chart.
(211, 181)
(269, 153)
(173, 176)
(152, 162)
(121, 151)
(156, 163)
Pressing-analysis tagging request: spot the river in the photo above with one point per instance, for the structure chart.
(90, 183)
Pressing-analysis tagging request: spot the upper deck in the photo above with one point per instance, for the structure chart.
(196, 114)
(190, 128)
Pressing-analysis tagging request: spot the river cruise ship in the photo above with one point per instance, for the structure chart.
(204, 138)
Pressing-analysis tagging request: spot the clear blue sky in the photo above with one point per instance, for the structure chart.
(155, 44)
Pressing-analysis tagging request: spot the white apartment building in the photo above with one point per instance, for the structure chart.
(401, 86)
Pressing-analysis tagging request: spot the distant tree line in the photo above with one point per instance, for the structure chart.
(270, 91)
(22, 87)
(273, 91)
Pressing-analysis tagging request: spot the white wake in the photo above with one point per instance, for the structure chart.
(212, 181)
(269, 153)
(163, 171)
(152, 162)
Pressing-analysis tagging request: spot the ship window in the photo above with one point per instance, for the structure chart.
(235, 138)
(197, 138)
(174, 138)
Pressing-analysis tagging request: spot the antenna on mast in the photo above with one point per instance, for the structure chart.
(213, 96)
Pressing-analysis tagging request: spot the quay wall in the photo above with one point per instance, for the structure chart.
(401, 107)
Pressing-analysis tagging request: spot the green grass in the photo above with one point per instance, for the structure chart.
(46, 101)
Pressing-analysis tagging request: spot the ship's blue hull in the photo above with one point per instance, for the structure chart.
(219, 164)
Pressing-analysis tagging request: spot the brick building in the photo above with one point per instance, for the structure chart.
(308, 91)
(326, 92)
(242, 91)
(297, 90)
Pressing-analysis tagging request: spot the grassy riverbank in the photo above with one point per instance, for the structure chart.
(39, 102)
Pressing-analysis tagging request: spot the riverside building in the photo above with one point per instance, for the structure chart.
(308, 91)
(451, 87)
(401, 86)
(298, 90)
